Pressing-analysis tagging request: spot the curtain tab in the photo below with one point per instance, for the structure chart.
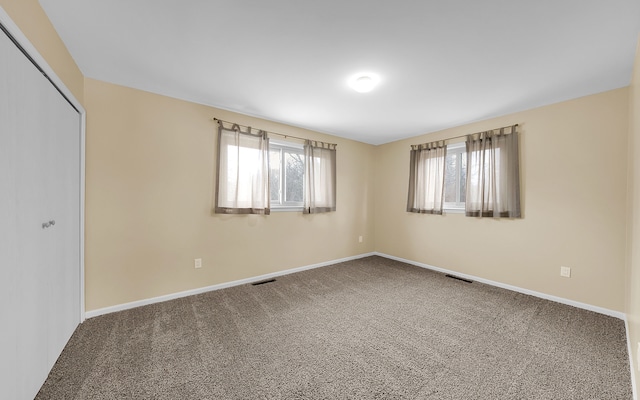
(430, 145)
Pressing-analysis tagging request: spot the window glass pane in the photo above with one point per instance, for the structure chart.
(240, 175)
(463, 177)
(450, 171)
(474, 171)
(294, 164)
(274, 175)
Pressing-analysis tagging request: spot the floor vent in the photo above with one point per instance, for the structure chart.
(458, 278)
(263, 282)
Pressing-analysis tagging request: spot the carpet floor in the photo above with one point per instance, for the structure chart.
(371, 328)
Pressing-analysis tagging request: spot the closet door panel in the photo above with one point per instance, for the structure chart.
(8, 230)
(32, 299)
(63, 208)
(26, 318)
(39, 278)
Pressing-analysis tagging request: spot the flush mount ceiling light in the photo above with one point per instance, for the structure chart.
(364, 82)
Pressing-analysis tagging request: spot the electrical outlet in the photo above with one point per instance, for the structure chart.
(197, 263)
(565, 271)
(359, 239)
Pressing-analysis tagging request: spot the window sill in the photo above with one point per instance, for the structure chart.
(454, 210)
(287, 209)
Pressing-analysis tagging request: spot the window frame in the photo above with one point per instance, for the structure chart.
(291, 147)
(458, 206)
(246, 189)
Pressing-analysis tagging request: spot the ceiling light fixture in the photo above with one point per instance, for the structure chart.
(364, 82)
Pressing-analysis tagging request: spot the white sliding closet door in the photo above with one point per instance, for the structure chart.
(39, 184)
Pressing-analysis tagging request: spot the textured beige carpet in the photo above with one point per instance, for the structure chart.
(366, 329)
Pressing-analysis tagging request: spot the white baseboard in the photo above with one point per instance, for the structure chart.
(631, 364)
(600, 310)
(616, 314)
(589, 307)
(133, 304)
(159, 299)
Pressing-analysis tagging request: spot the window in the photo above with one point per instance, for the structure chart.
(242, 184)
(256, 174)
(480, 177)
(320, 177)
(426, 178)
(494, 174)
(286, 175)
(455, 177)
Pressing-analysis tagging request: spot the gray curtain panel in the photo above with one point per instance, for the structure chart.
(426, 178)
(243, 171)
(493, 174)
(320, 177)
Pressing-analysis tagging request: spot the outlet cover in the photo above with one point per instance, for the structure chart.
(197, 263)
(360, 239)
(565, 272)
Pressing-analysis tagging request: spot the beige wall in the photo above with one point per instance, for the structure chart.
(150, 182)
(633, 249)
(573, 169)
(34, 23)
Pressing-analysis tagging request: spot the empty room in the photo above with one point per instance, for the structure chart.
(319, 200)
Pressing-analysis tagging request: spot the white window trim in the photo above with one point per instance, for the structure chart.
(449, 207)
(292, 145)
(279, 208)
(286, 143)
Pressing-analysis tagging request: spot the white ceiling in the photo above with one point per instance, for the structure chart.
(442, 63)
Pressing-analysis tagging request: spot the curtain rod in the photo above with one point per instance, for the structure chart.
(495, 129)
(270, 132)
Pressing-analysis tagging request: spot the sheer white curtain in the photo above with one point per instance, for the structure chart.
(426, 178)
(243, 171)
(319, 177)
(493, 174)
